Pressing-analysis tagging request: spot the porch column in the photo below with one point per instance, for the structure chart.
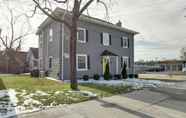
(117, 64)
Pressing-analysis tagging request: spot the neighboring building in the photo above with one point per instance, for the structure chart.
(32, 59)
(160, 66)
(15, 64)
(172, 65)
(183, 54)
(98, 42)
(149, 66)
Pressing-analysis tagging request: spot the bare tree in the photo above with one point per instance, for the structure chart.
(70, 20)
(10, 38)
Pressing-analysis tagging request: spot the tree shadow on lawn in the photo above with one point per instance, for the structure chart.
(7, 107)
(108, 90)
(116, 106)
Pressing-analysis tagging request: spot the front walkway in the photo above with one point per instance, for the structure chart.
(138, 104)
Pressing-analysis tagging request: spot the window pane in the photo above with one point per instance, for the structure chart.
(51, 34)
(126, 61)
(125, 42)
(81, 35)
(105, 39)
(81, 62)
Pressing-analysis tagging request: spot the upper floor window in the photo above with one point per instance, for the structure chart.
(40, 39)
(82, 35)
(125, 60)
(50, 34)
(125, 42)
(105, 39)
(82, 62)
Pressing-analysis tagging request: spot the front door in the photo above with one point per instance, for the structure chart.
(105, 60)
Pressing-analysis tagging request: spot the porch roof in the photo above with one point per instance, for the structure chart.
(108, 53)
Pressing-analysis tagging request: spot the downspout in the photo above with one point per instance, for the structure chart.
(60, 53)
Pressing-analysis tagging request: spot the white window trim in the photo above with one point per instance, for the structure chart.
(124, 38)
(84, 30)
(86, 62)
(126, 57)
(108, 43)
(50, 34)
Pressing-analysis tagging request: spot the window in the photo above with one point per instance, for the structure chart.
(50, 34)
(81, 35)
(50, 62)
(82, 62)
(40, 39)
(125, 59)
(125, 42)
(106, 39)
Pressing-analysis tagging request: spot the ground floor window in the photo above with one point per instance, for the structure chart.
(125, 60)
(82, 62)
(50, 62)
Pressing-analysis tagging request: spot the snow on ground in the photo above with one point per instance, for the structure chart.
(9, 102)
(135, 83)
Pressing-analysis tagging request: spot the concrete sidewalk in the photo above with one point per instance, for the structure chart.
(138, 104)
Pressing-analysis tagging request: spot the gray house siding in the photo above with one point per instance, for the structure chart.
(93, 48)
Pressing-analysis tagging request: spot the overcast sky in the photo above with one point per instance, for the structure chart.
(161, 25)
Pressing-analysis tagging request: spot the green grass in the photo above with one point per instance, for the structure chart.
(25, 83)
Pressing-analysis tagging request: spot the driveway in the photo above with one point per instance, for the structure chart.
(145, 103)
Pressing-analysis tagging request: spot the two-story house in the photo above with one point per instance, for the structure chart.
(98, 42)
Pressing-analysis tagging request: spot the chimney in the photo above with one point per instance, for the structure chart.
(119, 23)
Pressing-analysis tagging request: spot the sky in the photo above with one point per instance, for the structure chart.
(161, 24)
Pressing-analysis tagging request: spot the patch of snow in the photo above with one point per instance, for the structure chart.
(31, 101)
(41, 93)
(85, 93)
(135, 83)
(59, 92)
(53, 79)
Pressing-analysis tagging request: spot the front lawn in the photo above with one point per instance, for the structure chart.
(34, 93)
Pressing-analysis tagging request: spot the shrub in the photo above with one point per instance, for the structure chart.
(135, 75)
(130, 75)
(34, 73)
(96, 77)
(124, 71)
(46, 73)
(85, 77)
(117, 76)
(107, 72)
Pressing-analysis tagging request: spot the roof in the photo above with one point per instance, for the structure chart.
(89, 19)
(35, 52)
(108, 53)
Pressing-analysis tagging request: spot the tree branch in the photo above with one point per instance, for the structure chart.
(52, 16)
(61, 1)
(85, 7)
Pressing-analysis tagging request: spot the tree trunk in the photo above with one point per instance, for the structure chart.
(73, 38)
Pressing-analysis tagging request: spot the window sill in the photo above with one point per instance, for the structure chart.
(81, 42)
(82, 69)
